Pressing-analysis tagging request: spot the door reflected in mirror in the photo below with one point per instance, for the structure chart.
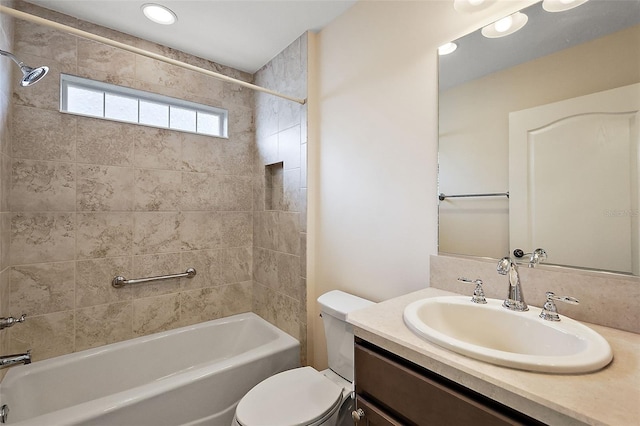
(555, 58)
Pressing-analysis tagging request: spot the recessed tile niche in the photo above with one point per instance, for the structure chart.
(274, 186)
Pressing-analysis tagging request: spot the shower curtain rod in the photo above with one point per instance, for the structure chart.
(61, 27)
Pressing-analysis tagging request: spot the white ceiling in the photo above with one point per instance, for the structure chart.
(243, 34)
(544, 33)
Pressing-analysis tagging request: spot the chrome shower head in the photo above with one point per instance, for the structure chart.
(32, 75)
(29, 75)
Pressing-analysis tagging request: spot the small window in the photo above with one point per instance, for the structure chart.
(82, 96)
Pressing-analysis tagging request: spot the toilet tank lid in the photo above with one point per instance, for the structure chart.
(338, 303)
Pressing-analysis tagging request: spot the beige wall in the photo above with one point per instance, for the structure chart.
(279, 231)
(474, 155)
(374, 205)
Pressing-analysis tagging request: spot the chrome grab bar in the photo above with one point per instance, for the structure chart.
(120, 281)
(442, 196)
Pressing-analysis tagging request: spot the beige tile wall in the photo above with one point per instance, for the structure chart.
(279, 234)
(90, 199)
(6, 87)
(605, 298)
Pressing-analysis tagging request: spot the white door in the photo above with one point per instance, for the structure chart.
(573, 180)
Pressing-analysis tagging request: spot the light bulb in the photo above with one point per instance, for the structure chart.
(503, 24)
(447, 48)
(561, 5)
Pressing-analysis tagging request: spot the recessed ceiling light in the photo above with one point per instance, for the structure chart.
(561, 5)
(447, 48)
(470, 6)
(505, 26)
(159, 14)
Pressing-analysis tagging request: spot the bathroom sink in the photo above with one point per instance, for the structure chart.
(521, 340)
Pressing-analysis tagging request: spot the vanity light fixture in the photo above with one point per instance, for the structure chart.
(447, 48)
(505, 26)
(159, 14)
(561, 5)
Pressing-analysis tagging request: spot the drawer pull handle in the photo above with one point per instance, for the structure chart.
(357, 415)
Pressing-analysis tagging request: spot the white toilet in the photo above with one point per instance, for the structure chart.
(306, 396)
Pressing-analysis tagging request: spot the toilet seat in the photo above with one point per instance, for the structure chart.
(298, 397)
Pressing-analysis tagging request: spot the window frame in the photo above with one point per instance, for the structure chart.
(68, 80)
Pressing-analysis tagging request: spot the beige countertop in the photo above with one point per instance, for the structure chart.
(610, 396)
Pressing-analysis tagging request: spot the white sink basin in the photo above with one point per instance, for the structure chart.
(497, 335)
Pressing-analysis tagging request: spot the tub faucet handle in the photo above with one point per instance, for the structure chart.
(550, 311)
(10, 321)
(478, 292)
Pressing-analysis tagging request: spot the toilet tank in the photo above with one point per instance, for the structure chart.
(335, 305)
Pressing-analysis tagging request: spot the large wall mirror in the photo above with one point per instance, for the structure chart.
(544, 122)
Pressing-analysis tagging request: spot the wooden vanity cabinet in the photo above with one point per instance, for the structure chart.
(393, 391)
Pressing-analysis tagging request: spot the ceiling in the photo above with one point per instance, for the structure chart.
(544, 33)
(242, 34)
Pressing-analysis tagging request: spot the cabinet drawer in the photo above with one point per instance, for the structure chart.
(373, 416)
(414, 397)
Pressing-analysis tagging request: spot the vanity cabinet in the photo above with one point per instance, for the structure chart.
(393, 391)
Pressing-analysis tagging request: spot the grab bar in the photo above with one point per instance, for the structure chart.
(441, 196)
(120, 281)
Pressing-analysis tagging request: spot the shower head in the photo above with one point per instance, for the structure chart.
(29, 75)
(32, 75)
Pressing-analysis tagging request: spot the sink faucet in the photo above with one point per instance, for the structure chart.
(9, 360)
(515, 299)
(538, 255)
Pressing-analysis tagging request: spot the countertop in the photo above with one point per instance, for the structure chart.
(610, 396)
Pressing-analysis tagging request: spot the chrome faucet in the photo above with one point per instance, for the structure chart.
(9, 360)
(515, 299)
(538, 255)
(11, 321)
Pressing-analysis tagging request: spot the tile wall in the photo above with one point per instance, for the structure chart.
(6, 87)
(91, 199)
(605, 298)
(280, 179)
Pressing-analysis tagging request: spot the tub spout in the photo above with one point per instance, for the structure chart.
(9, 360)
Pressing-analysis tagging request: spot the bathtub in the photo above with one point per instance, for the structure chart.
(191, 376)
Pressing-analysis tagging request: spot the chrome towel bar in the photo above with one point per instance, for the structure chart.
(442, 196)
(120, 281)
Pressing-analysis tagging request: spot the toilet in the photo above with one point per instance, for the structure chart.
(305, 396)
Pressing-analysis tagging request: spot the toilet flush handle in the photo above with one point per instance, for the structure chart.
(357, 415)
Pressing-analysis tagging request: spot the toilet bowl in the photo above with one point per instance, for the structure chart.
(302, 396)
(305, 396)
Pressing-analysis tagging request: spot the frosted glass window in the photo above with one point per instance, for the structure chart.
(98, 99)
(154, 114)
(208, 124)
(85, 101)
(121, 108)
(182, 119)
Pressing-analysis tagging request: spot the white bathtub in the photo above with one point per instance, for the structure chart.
(193, 375)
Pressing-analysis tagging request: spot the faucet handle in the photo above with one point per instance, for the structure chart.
(535, 257)
(478, 293)
(550, 311)
(10, 321)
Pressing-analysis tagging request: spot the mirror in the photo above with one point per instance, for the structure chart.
(488, 82)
